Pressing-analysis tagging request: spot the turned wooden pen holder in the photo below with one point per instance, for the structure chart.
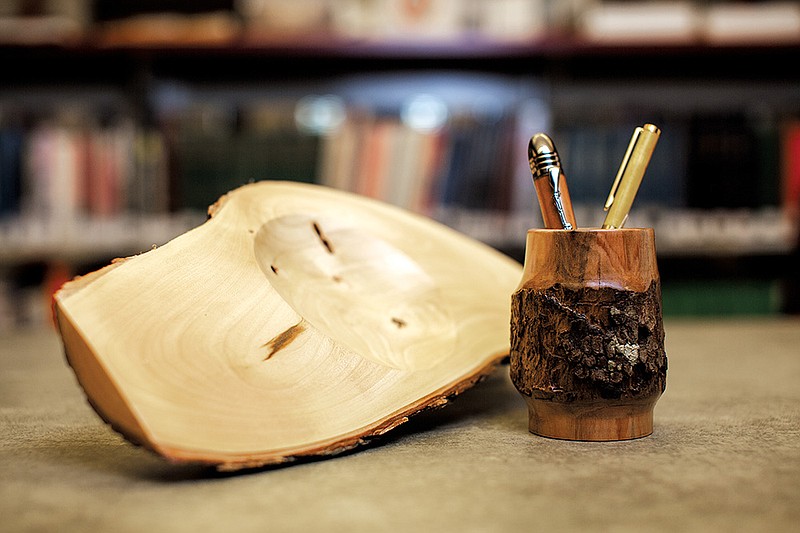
(587, 337)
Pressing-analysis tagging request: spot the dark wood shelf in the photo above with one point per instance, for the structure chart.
(605, 76)
(331, 46)
(89, 60)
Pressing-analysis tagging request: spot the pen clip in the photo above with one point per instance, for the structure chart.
(622, 167)
(554, 175)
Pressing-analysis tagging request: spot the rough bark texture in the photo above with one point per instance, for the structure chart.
(588, 344)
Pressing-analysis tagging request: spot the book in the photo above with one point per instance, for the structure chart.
(742, 22)
(103, 174)
(375, 157)
(405, 166)
(767, 131)
(52, 172)
(723, 153)
(431, 20)
(281, 19)
(532, 116)
(664, 182)
(339, 152)
(11, 140)
(641, 21)
(170, 29)
(149, 189)
(512, 20)
(216, 158)
(416, 161)
(477, 168)
(790, 169)
(39, 23)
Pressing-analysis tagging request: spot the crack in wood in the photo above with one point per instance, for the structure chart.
(323, 239)
(569, 310)
(282, 340)
(399, 322)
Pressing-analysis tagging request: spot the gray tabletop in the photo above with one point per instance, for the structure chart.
(724, 456)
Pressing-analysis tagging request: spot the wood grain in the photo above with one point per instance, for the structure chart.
(621, 258)
(587, 338)
(297, 321)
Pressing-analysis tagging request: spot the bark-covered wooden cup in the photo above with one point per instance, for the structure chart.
(587, 336)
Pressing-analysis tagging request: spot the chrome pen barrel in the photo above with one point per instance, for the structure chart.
(550, 183)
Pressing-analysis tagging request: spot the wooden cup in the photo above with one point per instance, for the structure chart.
(587, 337)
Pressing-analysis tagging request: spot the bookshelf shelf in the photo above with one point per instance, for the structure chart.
(574, 84)
(331, 46)
(88, 241)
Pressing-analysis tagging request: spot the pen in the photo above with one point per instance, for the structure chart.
(550, 183)
(630, 174)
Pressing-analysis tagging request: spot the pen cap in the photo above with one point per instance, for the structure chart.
(542, 155)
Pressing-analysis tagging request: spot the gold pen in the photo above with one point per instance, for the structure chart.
(550, 183)
(630, 174)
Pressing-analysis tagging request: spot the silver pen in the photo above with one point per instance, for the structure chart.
(550, 183)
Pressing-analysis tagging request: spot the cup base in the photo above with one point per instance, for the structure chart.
(596, 421)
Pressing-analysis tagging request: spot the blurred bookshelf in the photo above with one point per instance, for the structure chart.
(130, 118)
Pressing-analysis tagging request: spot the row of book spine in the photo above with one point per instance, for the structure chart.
(471, 162)
(506, 20)
(466, 164)
(704, 161)
(59, 172)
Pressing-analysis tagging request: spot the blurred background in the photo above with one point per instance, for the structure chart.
(122, 120)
